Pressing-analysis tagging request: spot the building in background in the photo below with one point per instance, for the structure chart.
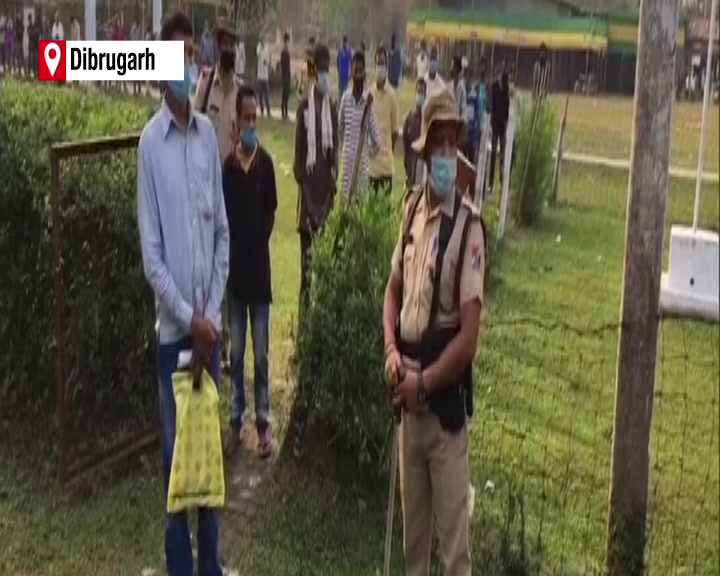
(698, 36)
(592, 43)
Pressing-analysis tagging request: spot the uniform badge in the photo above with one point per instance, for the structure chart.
(475, 256)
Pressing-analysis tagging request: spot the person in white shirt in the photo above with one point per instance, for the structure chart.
(459, 90)
(422, 61)
(263, 76)
(240, 60)
(4, 59)
(57, 32)
(74, 29)
(433, 80)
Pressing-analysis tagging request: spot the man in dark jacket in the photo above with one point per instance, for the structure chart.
(395, 63)
(315, 169)
(285, 75)
(499, 112)
(316, 158)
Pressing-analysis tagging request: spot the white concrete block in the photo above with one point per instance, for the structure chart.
(692, 284)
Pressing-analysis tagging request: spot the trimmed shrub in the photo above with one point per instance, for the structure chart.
(339, 346)
(533, 170)
(109, 308)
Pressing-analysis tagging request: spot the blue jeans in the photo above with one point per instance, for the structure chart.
(264, 96)
(178, 549)
(260, 331)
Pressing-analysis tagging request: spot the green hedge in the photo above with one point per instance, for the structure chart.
(109, 308)
(533, 171)
(339, 346)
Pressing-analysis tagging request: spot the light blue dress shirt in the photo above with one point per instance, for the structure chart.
(184, 232)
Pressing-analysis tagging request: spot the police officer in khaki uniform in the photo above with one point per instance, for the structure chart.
(216, 96)
(431, 320)
(217, 90)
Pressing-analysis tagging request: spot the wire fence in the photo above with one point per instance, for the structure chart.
(602, 126)
(543, 443)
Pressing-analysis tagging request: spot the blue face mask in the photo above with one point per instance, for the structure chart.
(420, 100)
(433, 67)
(322, 82)
(181, 88)
(442, 175)
(248, 137)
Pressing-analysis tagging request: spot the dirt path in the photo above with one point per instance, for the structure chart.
(245, 473)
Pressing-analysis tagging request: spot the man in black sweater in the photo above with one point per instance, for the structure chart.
(499, 112)
(250, 202)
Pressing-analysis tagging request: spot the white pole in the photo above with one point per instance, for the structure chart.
(90, 20)
(509, 143)
(156, 16)
(482, 161)
(706, 106)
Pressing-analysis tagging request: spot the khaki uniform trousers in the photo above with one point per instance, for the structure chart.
(434, 477)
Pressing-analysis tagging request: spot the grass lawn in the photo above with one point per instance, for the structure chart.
(602, 126)
(540, 438)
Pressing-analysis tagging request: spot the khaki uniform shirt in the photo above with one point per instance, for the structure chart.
(419, 266)
(220, 108)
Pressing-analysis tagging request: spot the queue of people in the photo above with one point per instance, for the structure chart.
(18, 43)
(206, 202)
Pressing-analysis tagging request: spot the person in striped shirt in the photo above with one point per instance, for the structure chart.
(541, 76)
(358, 128)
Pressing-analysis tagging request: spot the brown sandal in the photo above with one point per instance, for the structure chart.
(264, 445)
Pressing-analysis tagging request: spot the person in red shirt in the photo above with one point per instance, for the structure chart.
(120, 28)
(118, 33)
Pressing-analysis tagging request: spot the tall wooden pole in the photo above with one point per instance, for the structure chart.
(647, 197)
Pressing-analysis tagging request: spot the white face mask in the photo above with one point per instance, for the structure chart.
(381, 72)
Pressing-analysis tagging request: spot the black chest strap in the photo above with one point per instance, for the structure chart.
(447, 226)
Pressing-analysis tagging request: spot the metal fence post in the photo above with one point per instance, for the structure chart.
(59, 297)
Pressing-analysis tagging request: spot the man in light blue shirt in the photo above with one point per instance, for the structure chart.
(185, 249)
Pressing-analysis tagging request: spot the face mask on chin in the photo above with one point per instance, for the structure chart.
(227, 60)
(322, 82)
(381, 72)
(358, 86)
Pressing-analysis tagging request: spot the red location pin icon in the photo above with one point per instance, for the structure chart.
(52, 57)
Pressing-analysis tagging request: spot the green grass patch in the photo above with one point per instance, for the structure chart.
(540, 437)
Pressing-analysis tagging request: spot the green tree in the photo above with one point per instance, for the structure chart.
(250, 17)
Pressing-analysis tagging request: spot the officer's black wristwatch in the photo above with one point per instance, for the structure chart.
(422, 392)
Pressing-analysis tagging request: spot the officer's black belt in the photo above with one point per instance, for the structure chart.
(449, 403)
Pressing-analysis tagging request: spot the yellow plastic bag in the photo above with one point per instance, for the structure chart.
(197, 477)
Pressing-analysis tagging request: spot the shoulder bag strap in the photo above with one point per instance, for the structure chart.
(447, 225)
(206, 95)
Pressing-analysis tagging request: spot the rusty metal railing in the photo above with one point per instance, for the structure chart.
(125, 448)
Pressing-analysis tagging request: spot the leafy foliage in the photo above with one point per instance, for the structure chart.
(251, 16)
(339, 347)
(109, 309)
(532, 173)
